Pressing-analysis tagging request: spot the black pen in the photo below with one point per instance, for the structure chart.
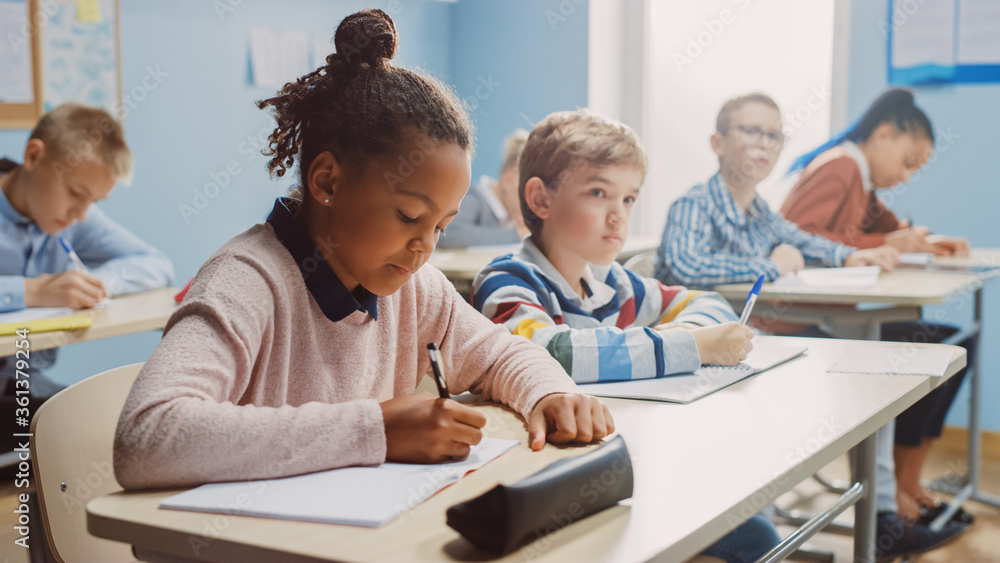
(442, 385)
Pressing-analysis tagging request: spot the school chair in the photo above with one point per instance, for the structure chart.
(71, 448)
(642, 264)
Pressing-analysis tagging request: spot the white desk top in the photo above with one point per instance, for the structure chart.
(124, 315)
(696, 467)
(902, 287)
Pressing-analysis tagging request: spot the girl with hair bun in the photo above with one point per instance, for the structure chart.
(301, 340)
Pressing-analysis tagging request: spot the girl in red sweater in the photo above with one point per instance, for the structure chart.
(835, 198)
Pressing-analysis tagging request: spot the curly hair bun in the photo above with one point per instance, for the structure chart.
(368, 37)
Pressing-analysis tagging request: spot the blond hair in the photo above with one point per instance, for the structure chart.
(569, 139)
(74, 132)
(733, 104)
(512, 147)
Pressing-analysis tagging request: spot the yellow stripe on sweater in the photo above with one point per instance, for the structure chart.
(527, 328)
(676, 309)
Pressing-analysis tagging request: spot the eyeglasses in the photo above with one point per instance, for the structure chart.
(752, 135)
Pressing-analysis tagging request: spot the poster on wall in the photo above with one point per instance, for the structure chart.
(81, 55)
(943, 41)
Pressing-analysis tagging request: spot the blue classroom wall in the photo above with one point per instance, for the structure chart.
(955, 193)
(516, 61)
(195, 124)
(196, 134)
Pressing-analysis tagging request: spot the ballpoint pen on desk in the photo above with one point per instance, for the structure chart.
(77, 263)
(442, 385)
(751, 299)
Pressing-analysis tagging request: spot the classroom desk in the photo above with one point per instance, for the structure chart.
(896, 296)
(139, 312)
(462, 265)
(699, 470)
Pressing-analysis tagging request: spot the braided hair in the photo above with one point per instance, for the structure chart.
(358, 105)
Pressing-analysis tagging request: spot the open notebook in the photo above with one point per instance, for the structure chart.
(358, 496)
(684, 389)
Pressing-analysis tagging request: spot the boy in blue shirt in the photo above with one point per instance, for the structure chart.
(580, 175)
(74, 157)
(722, 231)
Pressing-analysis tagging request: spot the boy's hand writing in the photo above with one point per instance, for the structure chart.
(885, 256)
(422, 428)
(788, 258)
(723, 345)
(73, 288)
(568, 417)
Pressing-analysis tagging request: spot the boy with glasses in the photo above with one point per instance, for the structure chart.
(723, 232)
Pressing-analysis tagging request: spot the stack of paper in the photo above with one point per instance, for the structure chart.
(914, 359)
(859, 276)
(358, 496)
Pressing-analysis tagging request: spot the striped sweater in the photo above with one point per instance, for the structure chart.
(606, 336)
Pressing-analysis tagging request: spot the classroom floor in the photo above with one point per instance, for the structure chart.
(980, 544)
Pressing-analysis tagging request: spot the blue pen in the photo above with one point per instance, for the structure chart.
(77, 263)
(751, 299)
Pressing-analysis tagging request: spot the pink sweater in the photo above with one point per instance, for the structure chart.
(252, 381)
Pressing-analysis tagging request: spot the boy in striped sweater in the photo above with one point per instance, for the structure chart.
(579, 178)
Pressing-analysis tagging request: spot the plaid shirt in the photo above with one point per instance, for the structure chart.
(607, 335)
(708, 241)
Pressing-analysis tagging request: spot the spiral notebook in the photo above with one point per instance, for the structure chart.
(684, 389)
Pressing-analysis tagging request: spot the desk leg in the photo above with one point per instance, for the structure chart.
(864, 510)
(970, 488)
(975, 438)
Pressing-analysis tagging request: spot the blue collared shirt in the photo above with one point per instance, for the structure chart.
(709, 241)
(123, 261)
(330, 294)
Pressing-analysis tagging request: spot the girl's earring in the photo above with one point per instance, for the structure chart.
(327, 200)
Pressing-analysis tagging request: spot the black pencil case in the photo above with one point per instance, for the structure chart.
(508, 516)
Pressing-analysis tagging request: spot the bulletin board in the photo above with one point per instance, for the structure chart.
(21, 101)
(943, 41)
(76, 56)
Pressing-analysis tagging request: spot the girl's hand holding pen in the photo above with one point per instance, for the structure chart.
(422, 428)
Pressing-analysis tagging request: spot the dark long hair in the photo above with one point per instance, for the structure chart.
(894, 106)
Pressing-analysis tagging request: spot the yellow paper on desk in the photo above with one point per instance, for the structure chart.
(47, 325)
